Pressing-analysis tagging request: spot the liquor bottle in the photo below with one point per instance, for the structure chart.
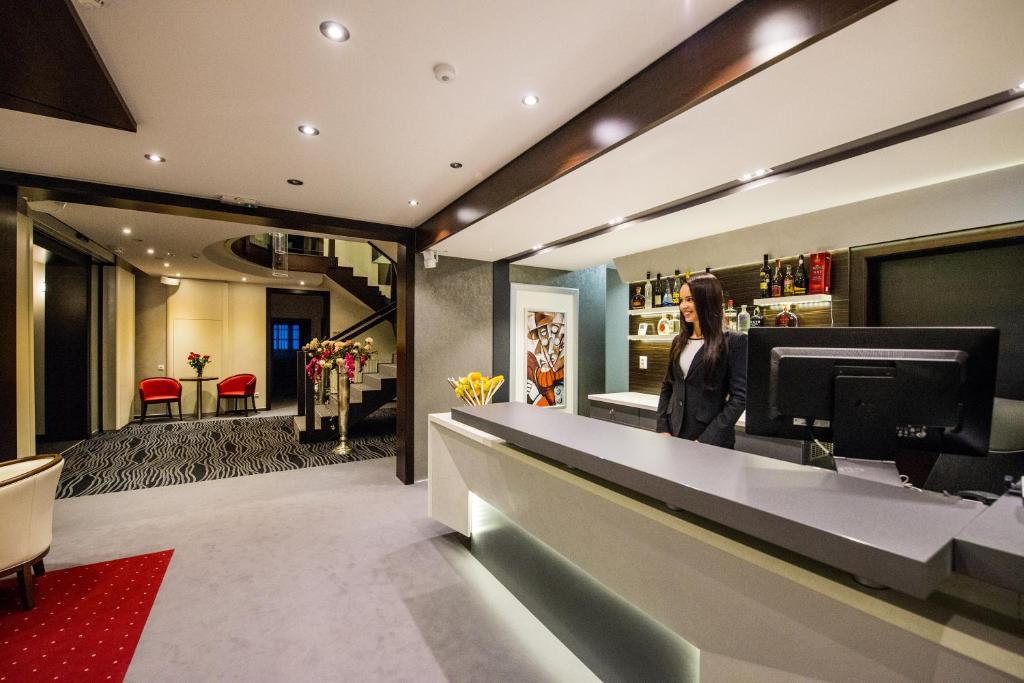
(664, 324)
(786, 318)
(765, 287)
(676, 325)
(648, 292)
(637, 300)
(730, 316)
(666, 293)
(686, 278)
(821, 273)
(777, 279)
(657, 291)
(787, 281)
(743, 320)
(677, 283)
(756, 318)
(800, 277)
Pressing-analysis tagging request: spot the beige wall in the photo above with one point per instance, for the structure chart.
(980, 200)
(23, 339)
(39, 338)
(124, 332)
(227, 321)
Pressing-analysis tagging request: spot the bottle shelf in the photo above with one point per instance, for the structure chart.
(651, 337)
(801, 299)
(653, 311)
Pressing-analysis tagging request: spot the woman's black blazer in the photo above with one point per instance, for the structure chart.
(687, 409)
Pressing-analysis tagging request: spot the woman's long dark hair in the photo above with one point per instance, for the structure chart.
(706, 291)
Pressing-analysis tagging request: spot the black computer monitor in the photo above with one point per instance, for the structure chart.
(874, 391)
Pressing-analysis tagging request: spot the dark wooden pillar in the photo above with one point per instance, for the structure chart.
(405, 298)
(501, 324)
(8, 321)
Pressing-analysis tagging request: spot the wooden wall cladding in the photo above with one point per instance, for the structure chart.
(740, 283)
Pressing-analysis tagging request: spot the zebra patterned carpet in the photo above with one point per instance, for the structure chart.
(148, 455)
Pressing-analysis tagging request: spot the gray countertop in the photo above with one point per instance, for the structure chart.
(895, 536)
(991, 548)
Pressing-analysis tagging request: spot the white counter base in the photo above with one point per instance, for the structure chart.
(754, 612)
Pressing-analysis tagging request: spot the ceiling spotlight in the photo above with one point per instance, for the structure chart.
(245, 279)
(455, 164)
(761, 171)
(302, 282)
(332, 30)
(531, 100)
(126, 231)
(1020, 86)
(615, 221)
(309, 130)
(177, 275)
(155, 157)
(413, 202)
(151, 251)
(294, 181)
(166, 264)
(538, 246)
(746, 176)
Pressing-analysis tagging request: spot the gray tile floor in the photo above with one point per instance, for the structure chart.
(322, 574)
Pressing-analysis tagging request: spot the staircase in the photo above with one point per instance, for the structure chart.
(362, 273)
(373, 387)
(358, 286)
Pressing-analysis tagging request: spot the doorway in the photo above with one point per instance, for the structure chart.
(65, 336)
(293, 318)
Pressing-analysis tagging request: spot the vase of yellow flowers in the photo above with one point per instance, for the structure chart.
(476, 389)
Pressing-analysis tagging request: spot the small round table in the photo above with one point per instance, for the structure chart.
(199, 391)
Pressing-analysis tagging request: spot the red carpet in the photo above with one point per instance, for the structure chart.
(86, 623)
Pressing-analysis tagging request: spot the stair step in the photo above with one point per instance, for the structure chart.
(300, 423)
(387, 370)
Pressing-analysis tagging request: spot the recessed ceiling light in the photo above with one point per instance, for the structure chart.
(309, 130)
(455, 164)
(177, 275)
(746, 176)
(332, 30)
(1020, 86)
(531, 100)
(302, 282)
(538, 246)
(126, 231)
(150, 251)
(166, 264)
(294, 181)
(155, 157)
(615, 221)
(413, 202)
(245, 279)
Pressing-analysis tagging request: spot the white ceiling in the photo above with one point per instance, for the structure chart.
(219, 88)
(906, 61)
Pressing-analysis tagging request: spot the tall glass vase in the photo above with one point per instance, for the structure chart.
(343, 402)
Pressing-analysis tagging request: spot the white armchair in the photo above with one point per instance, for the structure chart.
(27, 490)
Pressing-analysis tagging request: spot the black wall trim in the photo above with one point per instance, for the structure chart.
(8, 321)
(405, 297)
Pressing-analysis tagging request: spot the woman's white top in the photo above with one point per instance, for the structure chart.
(689, 351)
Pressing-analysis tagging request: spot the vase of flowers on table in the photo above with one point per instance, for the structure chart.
(476, 389)
(198, 362)
(343, 357)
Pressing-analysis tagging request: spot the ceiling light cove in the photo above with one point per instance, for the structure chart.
(531, 100)
(332, 30)
(309, 130)
(155, 158)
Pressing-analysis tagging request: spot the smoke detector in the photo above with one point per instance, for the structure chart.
(445, 73)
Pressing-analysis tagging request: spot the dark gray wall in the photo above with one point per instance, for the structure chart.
(453, 337)
(592, 285)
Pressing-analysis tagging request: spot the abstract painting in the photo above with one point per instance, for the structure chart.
(545, 358)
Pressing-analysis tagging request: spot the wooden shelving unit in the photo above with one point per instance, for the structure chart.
(792, 300)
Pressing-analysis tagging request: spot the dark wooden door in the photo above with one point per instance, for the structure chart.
(287, 335)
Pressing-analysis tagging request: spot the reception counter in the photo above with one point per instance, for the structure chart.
(756, 568)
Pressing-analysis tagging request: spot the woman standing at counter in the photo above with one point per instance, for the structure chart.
(705, 387)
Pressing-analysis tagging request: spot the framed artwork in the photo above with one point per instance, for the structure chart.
(543, 346)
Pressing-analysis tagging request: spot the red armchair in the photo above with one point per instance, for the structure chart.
(238, 386)
(160, 390)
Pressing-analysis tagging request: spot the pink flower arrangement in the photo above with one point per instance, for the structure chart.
(329, 354)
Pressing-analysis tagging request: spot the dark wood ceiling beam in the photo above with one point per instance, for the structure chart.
(747, 39)
(39, 188)
(49, 66)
